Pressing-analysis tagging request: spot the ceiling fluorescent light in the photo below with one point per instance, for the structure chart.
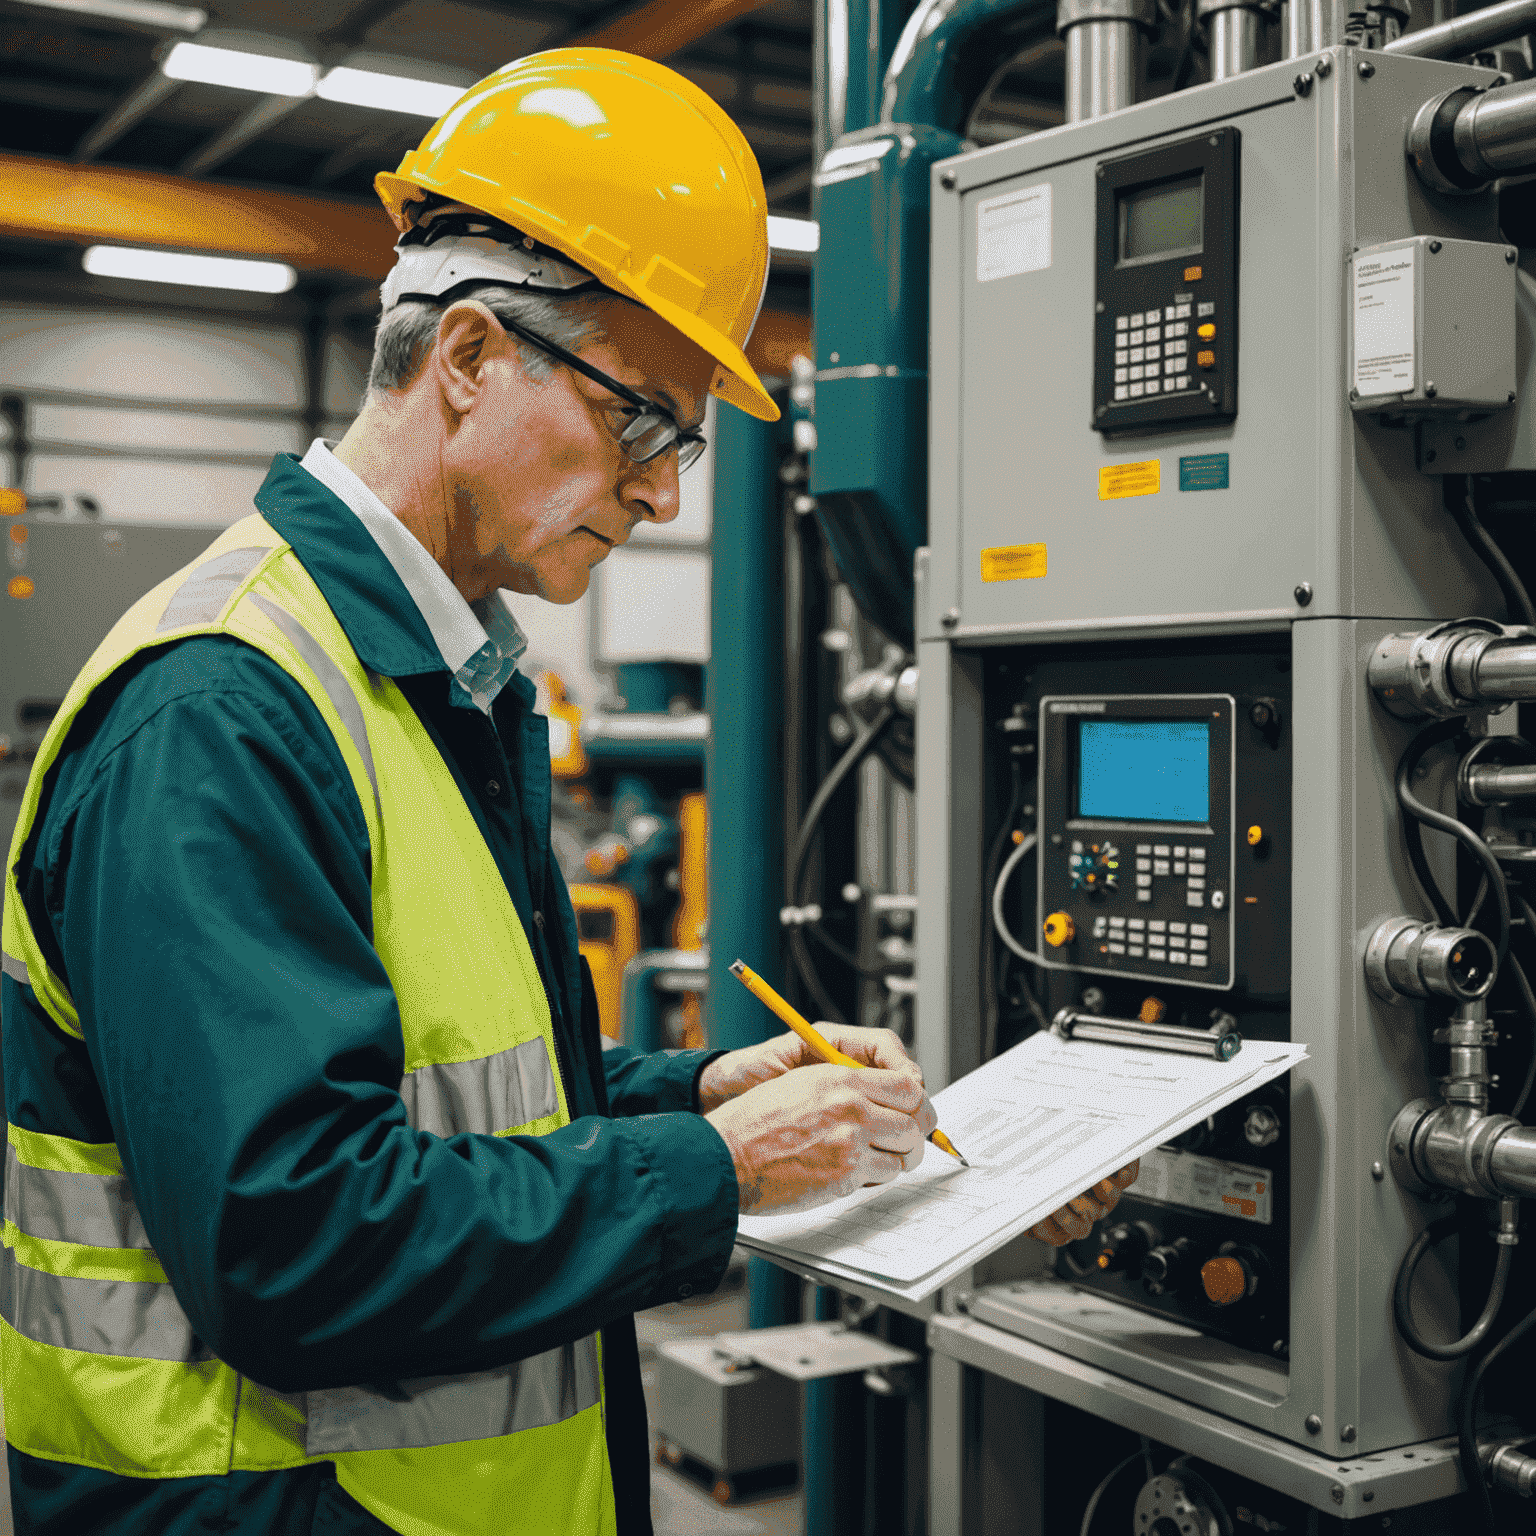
(389, 93)
(793, 234)
(244, 71)
(151, 14)
(192, 271)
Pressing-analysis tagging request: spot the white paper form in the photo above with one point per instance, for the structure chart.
(1040, 1124)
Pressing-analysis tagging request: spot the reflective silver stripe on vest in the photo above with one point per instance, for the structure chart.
(137, 1318)
(14, 968)
(492, 1094)
(337, 689)
(444, 1410)
(97, 1209)
(200, 599)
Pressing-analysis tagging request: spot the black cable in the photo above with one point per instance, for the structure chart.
(1466, 1420)
(1428, 816)
(1529, 999)
(1413, 837)
(1464, 509)
(1402, 1295)
(862, 745)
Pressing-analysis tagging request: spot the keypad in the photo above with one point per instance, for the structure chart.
(1152, 355)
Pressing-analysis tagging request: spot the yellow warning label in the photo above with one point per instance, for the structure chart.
(1013, 562)
(1117, 480)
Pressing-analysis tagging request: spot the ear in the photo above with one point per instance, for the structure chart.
(468, 337)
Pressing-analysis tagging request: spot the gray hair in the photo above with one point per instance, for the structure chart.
(406, 332)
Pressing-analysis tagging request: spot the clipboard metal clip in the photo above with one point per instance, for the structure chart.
(1221, 1041)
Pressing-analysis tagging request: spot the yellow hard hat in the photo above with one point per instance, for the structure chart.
(629, 170)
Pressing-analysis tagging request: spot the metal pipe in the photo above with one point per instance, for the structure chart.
(1221, 1041)
(1234, 41)
(1101, 38)
(1495, 133)
(1497, 783)
(1296, 19)
(1468, 34)
(1503, 669)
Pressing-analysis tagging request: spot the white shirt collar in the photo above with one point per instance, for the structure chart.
(480, 645)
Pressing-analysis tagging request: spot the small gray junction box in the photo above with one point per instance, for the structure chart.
(732, 1416)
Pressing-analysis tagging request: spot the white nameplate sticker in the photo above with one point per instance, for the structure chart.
(1013, 233)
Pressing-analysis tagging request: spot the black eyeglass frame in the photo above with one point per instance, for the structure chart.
(682, 438)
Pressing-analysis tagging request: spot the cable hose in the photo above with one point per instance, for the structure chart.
(991, 1007)
(999, 922)
(1099, 1492)
(1428, 816)
(1402, 1295)
(1486, 548)
(1466, 1421)
(860, 748)
(1529, 999)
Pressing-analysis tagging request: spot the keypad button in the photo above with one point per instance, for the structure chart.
(1121, 391)
(1122, 356)
(1194, 898)
(1179, 850)
(1138, 336)
(1196, 884)
(1168, 313)
(1137, 390)
(1137, 371)
(1200, 944)
(1181, 312)
(1179, 365)
(1179, 868)
(1170, 367)
(1206, 359)
(1137, 319)
(1177, 957)
(1137, 922)
(1136, 952)
(1143, 880)
(1203, 961)
(1143, 847)
(1153, 353)
(1154, 333)
(1158, 954)
(1143, 895)
(1100, 927)
(1122, 376)
(1160, 867)
(1144, 864)
(1154, 386)
(1158, 925)
(1207, 307)
(1160, 849)
(1177, 348)
(1117, 949)
(1138, 354)
(1203, 929)
(1178, 927)
(1182, 381)
(1077, 847)
(1117, 922)
(1122, 322)
(1177, 943)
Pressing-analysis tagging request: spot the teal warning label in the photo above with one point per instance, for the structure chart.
(1203, 472)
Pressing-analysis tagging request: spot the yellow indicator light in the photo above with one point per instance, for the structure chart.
(21, 586)
(1193, 274)
(12, 502)
(1104, 1261)
(18, 532)
(1255, 835)
(1206, 332)
(1153, 1010)
(1018, 837)
(1206, 359)
(1114, 864)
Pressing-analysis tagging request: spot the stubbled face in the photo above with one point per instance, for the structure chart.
(540, 489)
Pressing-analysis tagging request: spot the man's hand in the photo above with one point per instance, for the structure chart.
(1076, 1218)
(800, 1139)
(737, 1071)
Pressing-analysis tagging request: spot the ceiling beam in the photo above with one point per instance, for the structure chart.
(84, 204)
(661, 28)
(248, 127)
(135, 106)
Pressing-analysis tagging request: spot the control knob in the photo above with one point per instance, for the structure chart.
(1262, 1127)
(1167, 1266)
(1125, 1245)
(1095, 868)
(1232, 1276)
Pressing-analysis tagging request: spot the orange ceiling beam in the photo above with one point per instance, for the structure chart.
(90, 204)
(664, 27)
(56, 200)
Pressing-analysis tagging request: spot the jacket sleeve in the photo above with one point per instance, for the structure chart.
(653, 1083)
(208, 884)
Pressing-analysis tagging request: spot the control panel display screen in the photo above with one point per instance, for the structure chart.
(1144, 770)
(1165, 219)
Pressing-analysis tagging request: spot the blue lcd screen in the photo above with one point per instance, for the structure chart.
(1144, 770)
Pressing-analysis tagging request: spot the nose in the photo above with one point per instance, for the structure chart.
(650, 491)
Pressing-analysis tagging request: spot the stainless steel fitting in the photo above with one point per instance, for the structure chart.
(1495, 783)
(1407, 958)
(1508, 1466)
(1462, 139)
(1468, 665)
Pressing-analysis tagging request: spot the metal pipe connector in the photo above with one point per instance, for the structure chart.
(1462, 139)
(1453, 669)
(1510, 1468)
(1234, 27)
(1460, 1148)
(1495, 783)
(1462, 35)
(1102, 38)
(1407, 958)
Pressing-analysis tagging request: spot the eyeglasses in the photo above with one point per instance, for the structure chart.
(654, 428)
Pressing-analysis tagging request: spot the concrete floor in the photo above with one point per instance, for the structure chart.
(679, 1506)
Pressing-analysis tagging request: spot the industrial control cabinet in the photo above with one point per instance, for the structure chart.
(1178, 493)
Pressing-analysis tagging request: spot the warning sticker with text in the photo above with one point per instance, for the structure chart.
(1206, 1184)
(1141, 479)
(1013, 562)
(1384, 323)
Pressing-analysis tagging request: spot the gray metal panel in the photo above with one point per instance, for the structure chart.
(1367, 1485)
(1314, 497)
(87, 575)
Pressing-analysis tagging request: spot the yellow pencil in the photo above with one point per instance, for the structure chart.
(812, 1036)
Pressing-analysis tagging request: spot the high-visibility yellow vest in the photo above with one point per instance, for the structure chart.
(98, 1361)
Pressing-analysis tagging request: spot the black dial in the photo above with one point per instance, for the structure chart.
(1094, 866)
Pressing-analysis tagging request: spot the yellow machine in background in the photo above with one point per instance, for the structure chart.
(608, 924)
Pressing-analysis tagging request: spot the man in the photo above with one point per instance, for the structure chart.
(326, 1211)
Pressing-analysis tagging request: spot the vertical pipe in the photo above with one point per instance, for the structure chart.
(1327, 19)
(743, 762)
(1297, 22)
(1101, 68)
(1234, 41)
